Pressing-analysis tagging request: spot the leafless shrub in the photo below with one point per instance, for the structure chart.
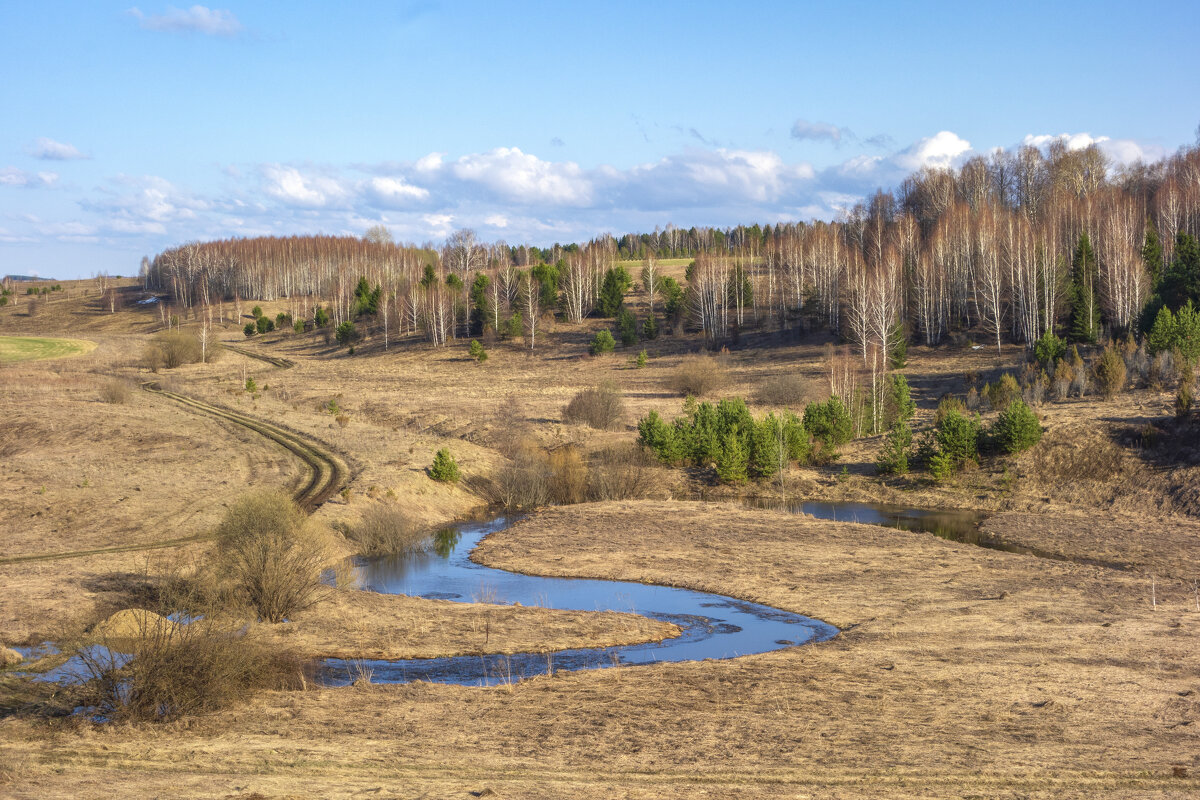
(171, 349)
(1163, 372)
(526, 482)
(115, 390)
(271, 555)
(622, 473)
(601, 407)
(164, 671)
(788, 390)
(698, 375)
(1137, 363)
(385, 530)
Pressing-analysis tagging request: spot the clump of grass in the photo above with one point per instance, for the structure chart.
(115, 390)
(698, 375)
(601, 407)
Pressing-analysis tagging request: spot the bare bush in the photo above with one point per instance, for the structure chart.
(162, 670)
(1163, 372)
(385, 530)
(271, 555)
(601, 407)
(787, 390)
(115, 390)
(698, 375)
(172, 349)
(526, 483)
(622, 473)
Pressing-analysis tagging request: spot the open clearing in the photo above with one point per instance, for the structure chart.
(31, 348)
(959, 672)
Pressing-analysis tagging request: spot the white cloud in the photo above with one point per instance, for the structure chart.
(50, 150)
(393, 192)
(11, 176)
(429, 163)
(293, 188)
(1120, 151)
(942, 150)
(523, 178)
(197, 19)
(496, 221)
(818, 131)
(438, 224)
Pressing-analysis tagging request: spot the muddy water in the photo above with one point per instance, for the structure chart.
(713, 626)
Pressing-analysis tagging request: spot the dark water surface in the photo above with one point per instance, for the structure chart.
(713, 626)
(956, 526)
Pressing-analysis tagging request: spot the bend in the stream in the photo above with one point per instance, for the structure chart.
(712, 626)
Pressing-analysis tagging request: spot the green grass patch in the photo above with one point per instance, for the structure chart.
(33, 348)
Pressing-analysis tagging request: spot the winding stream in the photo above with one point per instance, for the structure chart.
(712, 626)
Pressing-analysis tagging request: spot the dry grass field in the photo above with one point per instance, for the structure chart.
(959, 671)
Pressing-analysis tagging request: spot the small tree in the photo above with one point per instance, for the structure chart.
(627, 327)
(477, 352)
(1049, 349)
(612, 291)
(650, 328)
(250, 329)
(893, 459)
(1003, 392)
(602, 343)
(641, 359)
(732, 458)
(898, 404)
(444, 467)
(1016, 429)
(321, 317)
(829, 423)
(1110, 373)
(346, 333)
(264, 325)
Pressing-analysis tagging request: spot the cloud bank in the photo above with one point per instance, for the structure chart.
(507, 193)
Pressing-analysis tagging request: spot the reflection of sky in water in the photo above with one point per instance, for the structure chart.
(713, 626)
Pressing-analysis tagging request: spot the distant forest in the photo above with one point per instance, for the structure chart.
(1009, 247)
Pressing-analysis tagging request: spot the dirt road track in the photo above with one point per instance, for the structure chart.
(327, 473)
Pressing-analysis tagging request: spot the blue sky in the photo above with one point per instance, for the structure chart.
(131, 128)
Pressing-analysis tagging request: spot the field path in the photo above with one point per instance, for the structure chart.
(275, 361)
(327, 474)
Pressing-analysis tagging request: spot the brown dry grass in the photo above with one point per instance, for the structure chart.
(962, 672)
(353, 624)
(966, 672)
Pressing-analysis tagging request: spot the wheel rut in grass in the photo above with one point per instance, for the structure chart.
(327, 474)
(275, 361)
